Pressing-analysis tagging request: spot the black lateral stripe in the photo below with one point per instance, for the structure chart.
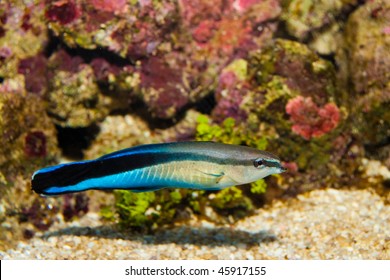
(270, 163)
(72, 174)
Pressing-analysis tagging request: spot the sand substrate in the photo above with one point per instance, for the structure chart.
(322, 224)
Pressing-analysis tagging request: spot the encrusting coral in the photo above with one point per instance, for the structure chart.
(309, 120)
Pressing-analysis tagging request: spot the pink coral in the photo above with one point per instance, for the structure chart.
(144, 40)
(229, 106)
(2, 32)
(195, 11)
(386, 30)
(102, 69)
(229, 98)
(242, 5)
(291, 166)
(223, 28)
(75, 206)
(5, 52)
(63, 61)
(112, 6)
(63, 11)
(309, 120)
(233, 34)
(35, 74)
(227, 80)
(35, 144)
(204, 31)
(26, 24)
(162, 86)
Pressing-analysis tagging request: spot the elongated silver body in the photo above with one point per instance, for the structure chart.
(196, 165)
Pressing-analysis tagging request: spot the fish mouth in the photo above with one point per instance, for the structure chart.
(283, 169)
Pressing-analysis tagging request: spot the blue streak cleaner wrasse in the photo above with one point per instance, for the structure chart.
(193, 165)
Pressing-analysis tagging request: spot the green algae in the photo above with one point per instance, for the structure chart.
(228, 132)
(131, 207)
(304, 16)
(108, 213)
(149, 210)
(293, 65)
(258, 187)
(276, 91)
(239, 67)
(234, 199)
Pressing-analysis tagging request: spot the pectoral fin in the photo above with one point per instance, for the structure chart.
(215, 175)
(210, 179)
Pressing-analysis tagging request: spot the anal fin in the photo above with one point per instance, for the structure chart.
(145, 189)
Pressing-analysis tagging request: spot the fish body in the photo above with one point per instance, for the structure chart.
(194, 165)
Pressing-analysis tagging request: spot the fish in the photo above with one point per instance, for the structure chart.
(198, 165)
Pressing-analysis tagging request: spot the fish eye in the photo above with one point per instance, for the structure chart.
(258, 162)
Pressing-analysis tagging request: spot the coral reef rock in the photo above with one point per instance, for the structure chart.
(27, 135)
(366, 64)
